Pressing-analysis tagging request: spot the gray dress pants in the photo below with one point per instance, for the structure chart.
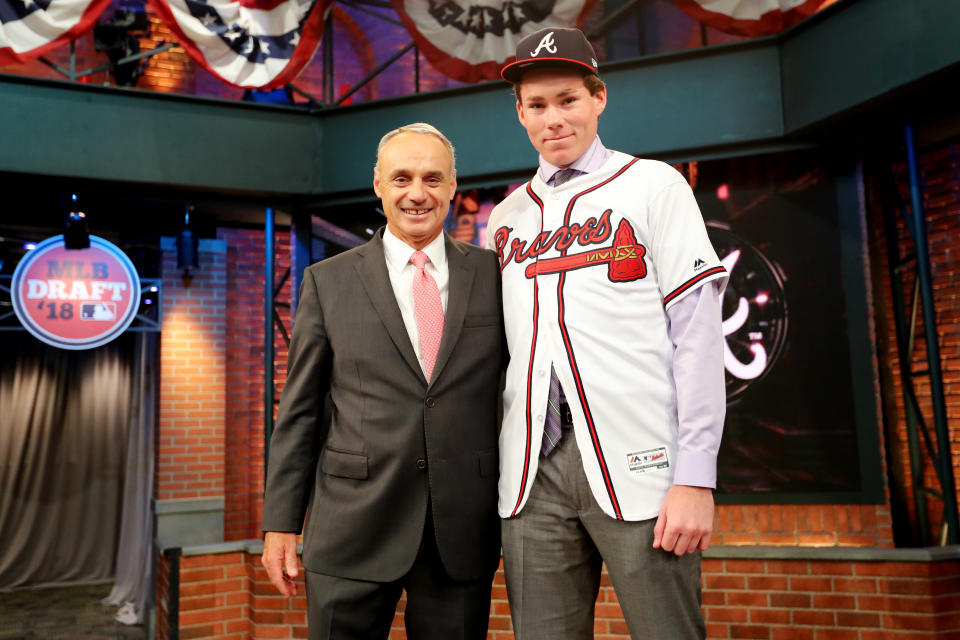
(553, 551)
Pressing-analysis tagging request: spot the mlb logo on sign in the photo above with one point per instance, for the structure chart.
(98, 311)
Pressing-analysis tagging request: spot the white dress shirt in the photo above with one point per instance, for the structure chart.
(397, 254)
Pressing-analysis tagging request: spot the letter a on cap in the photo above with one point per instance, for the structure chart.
(551, 47)
(545, 43)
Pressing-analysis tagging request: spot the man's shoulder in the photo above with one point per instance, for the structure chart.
(341, 261)
(654, 171)
(472, 252)
(518, 200)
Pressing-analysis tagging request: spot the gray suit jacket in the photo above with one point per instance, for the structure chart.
(390, 441)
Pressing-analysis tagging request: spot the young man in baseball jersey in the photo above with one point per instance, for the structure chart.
(614, 400)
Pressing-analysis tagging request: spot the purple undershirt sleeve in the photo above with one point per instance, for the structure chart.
(695, 329)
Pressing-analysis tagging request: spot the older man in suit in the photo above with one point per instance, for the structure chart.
(402, 339)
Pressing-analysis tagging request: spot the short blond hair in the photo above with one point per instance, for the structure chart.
(421, 128)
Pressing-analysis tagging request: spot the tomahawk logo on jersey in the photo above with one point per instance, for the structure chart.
(589, 269)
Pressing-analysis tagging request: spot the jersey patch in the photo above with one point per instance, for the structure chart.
(641, 461)
(699, 264)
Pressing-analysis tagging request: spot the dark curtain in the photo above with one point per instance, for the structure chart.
(134, 566)
(68, 420)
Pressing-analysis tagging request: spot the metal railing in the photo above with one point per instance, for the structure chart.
(919, 439)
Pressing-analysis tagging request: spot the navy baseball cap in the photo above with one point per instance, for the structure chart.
(551, 47)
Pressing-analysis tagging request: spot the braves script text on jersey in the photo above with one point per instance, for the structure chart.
(589, 269)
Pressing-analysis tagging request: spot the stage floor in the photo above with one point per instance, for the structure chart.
(62, 613)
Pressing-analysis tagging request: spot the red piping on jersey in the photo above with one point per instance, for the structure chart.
(535, 197)
(689, 283)
(533, 348)
(581, 392)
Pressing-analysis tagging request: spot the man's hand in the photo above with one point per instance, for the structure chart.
(280, 560)
(685, 522)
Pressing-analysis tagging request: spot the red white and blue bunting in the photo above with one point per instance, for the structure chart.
(751, 18)
(249, 43)
(30, 28)
(259, 44)
(264, 44)
(471, 40)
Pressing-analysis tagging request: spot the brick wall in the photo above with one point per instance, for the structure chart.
(831, 600)
(227, 596)
(244, 372)
(163, 596)
(215, 598)
(769, 597)
(171, 71)
(212, 344)
(857, 525)
(190, 437)
(940, 174)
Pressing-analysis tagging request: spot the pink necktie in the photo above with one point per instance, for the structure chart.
(428, 310)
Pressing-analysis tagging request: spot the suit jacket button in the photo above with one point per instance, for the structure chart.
(421, 464)
(431, 402)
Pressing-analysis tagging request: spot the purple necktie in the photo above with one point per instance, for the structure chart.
(553, 426)
(563, 175)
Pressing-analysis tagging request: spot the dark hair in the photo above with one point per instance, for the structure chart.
(592, 82)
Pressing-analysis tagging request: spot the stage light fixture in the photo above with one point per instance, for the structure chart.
(76, 233)
(119, 38)
(188, 247)
(150, 295)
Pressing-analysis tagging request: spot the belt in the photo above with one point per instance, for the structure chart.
(566, 417)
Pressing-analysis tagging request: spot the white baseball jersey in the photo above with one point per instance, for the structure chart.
(589, 269)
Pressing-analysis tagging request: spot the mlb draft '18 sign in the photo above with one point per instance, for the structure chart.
(76, 298)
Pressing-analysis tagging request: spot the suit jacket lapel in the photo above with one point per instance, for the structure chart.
(458, 295)
(372, 270)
